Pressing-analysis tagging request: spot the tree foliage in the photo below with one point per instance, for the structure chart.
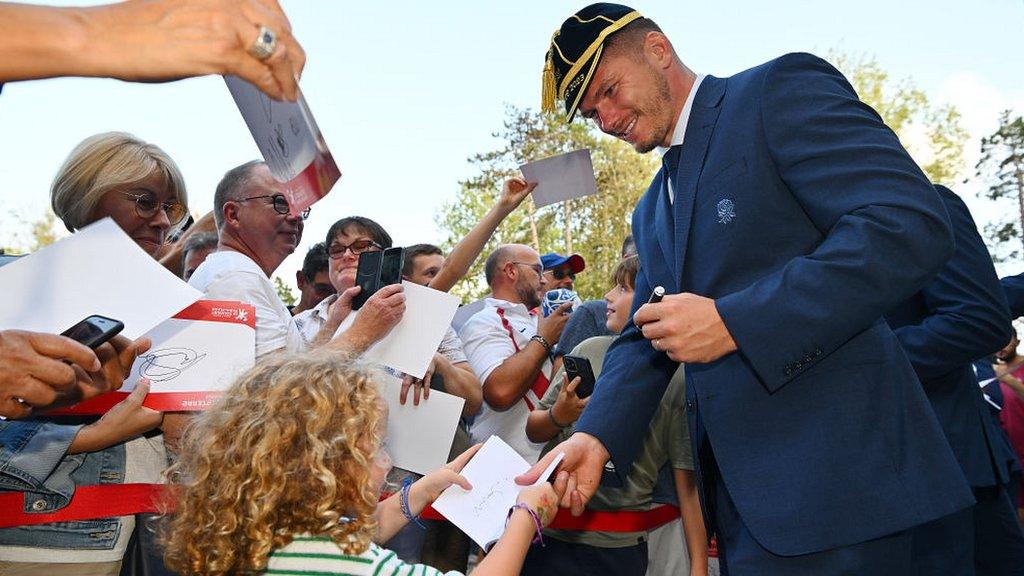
(31, 234)
(284, 291)
(595, 226)
(932, 134)
(1001, 168)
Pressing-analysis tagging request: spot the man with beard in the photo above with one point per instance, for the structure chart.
(786, 220)
(509, 347)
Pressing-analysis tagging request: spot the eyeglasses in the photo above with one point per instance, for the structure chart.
(536, 267)
(337, 250)
(280, 204)
(147, 206)
(560, 274)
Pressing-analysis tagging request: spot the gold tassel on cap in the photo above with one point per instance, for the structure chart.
(547, 91)
(547, 80)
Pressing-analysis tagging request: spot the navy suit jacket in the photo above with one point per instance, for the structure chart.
(959, 316)
(801, 214)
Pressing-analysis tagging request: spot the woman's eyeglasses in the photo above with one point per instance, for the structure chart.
(147, 206)
(280, 203)
(336, 250)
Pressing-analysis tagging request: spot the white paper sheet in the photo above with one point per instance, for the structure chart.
(411, 344)
(290, 141)
(97, 270)
(419, 438)
(561, 177)
(481, 512)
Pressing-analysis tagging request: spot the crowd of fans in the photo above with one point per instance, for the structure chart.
(285, 472)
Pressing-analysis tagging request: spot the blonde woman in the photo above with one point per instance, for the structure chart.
(137, 185)
(283, 475)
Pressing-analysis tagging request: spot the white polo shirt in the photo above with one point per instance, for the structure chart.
(490, 337)
(230, 275)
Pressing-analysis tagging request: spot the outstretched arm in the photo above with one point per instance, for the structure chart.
(457, 264)
(153, 41)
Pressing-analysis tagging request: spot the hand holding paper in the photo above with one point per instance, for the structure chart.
(481, 512)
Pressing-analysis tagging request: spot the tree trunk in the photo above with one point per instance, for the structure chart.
(533, 226)
(567, 212)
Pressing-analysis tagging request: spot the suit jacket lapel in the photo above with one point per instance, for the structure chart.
(699, 129)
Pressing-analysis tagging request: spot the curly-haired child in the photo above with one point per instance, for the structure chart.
(283, 475)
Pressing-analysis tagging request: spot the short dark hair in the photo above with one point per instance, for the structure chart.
(625, 272)
(315, 261)
(629, 39)
(200, 241)
(493, 260)
(411, 252)
(230, 188)
(375, 231)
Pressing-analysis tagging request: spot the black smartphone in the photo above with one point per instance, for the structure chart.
(580, 366)
(367, 277)
(94, 330)
(391, 266)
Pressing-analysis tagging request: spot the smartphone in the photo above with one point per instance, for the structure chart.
(580, 366)
(367, 276)
(94, 330)
(391, 266)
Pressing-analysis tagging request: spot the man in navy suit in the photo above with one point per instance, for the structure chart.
(785, 221)
(958, 316)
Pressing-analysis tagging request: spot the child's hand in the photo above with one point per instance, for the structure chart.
(427, 489)
(568, 406)
(543, 498)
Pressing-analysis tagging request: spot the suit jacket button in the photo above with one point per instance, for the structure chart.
(689, 406)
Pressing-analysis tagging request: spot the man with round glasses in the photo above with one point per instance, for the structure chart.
(257, 233)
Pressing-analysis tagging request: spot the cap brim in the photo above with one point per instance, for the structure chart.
(576, 263)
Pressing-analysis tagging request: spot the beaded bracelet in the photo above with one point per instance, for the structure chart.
(539, 538)
(404, 501)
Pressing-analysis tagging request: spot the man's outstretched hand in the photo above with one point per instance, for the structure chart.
(585, 458)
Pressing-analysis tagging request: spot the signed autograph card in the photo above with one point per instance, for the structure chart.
(290, 141)
(195, 355)
(481, 512)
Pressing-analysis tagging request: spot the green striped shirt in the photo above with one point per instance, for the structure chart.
(320, 556)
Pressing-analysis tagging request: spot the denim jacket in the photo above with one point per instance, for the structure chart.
(34, 460)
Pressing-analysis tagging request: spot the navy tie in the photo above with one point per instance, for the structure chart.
(670, 163)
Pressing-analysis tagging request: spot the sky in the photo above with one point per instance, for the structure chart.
(405, 92)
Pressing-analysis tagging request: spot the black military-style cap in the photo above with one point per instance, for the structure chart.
(575, 51)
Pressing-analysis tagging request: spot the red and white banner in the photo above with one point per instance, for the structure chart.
(196, 354)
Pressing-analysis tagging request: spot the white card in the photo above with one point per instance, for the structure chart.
(290, 141)
(411, 344)
(195, 356)
(482, 511)
(419, 438)
(97, 270)
(561, 177)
